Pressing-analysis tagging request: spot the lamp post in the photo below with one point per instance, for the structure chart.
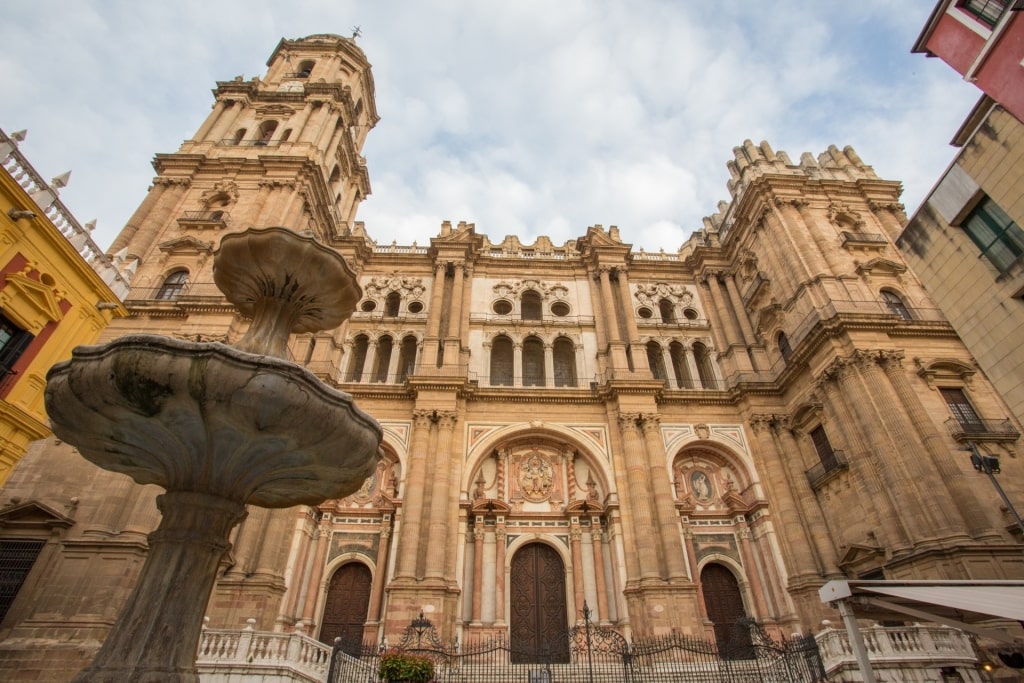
(989, 464)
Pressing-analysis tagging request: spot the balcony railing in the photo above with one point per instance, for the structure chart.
(250, 654)
(896, 652)
(231, 142)
(982, 430)
(831, 464)
(515, 320)
(220, 217)
(867, 238)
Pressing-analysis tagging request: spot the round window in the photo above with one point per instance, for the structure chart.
(690, 314)
(645, 313)
(368, 306)
(560, 308)
(502, 307)
(415, 306)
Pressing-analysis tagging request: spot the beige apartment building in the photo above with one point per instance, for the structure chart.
(675, 439)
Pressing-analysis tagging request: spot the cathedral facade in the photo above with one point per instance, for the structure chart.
(673, 440)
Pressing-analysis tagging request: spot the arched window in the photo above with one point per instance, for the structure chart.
(266, 132)
(704, 369)
(531, 306)
(894, 302)
(784, 348)
(679, 367)
(391, 304)
(173, 286)
(239, 136)
(407, 358)
(668, 311)
(502, 361)
(359, 347)
(533, 362)
(564, 353)
(286, 134)
(305, 68)
(384, 346)
(655, 360)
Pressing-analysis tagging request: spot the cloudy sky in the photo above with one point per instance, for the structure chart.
(526, 117)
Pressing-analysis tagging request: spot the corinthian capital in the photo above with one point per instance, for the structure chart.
(891, 360)
(627, 421)
(650, 422)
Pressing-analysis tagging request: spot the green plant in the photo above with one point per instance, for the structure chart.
(402, 666)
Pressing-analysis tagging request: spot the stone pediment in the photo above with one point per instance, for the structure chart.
(859, 553)
(489, 506)
(32, 303)
(585, 507)
(880, 266)
(33, 515)
(186, 245)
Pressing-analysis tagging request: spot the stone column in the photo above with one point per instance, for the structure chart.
(370, 362)
(327, 132)
(794, 548)
(786, 240)
(314, 128)
(734, 337)
(575, 536)
(968, 513)
(177, 578)
(596, 540)
(626, 297)
(549, 364)
(499, 573)
(453, 344)
(663, 502)
(431, 341)
(892, 218)
(379, 579)
(299, 560)
(478, 568)
(608, 304)
(826, 243)
(670, 368)
(323, 542)
(396, 354)
(807, 505)
(298, 123)
(141, 216)
(219, 107)
(691, 557)
(412, 507)
(691, 364)
(517, 362)
(754, 576)
(648, 554)
(810, 250)
(859, 401)
(437, 530)
(881, 514)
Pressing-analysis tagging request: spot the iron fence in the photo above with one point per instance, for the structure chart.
(593, 654)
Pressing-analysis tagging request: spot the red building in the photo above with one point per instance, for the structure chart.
(983, 40)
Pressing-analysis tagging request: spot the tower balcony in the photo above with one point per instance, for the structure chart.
(830, 465)
(982, 430)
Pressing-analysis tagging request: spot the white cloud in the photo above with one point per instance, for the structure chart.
(529, 117)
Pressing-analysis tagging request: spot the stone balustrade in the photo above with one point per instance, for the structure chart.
(261, 657)
(910, 653)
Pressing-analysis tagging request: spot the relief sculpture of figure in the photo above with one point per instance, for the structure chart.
(701, 486)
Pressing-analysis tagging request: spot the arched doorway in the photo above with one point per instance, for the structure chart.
(348, 598)
(724, 604)
(537, 604)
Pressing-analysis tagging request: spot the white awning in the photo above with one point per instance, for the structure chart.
(955, 603)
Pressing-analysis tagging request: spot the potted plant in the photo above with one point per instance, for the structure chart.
(402, 666)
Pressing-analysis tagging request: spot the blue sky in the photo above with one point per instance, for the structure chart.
(528, 118)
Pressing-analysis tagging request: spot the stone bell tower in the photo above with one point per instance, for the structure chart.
(281, 149)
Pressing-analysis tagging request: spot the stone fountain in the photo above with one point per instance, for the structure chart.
(218, 427)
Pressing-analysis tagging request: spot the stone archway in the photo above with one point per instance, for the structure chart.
(537, 603)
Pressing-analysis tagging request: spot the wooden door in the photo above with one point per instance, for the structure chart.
(725, 608)
(348, 599)
(537, 603)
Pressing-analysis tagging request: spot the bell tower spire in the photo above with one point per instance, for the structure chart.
(281, 149)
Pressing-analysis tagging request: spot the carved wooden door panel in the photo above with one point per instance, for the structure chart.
(724, 605)
(348, 599)
(537, 600)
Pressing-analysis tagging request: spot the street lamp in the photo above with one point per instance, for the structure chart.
(989, 464)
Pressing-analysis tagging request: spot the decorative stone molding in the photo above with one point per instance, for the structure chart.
(651, 293)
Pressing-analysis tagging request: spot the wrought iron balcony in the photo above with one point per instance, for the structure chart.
(831, 464)
(218, 217)
(982, 430)
(863, 239)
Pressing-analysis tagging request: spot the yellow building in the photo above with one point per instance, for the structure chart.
(57, 290)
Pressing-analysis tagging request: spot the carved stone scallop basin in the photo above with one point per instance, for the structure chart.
(209, 418)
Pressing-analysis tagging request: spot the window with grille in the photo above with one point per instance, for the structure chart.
(895, 304)
(962, 409)
(13, 342)
(16, 560)
(985, 11)
(173, 286)
(531, 306)
(784, 348)
(823, 447)
(1000, 240)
